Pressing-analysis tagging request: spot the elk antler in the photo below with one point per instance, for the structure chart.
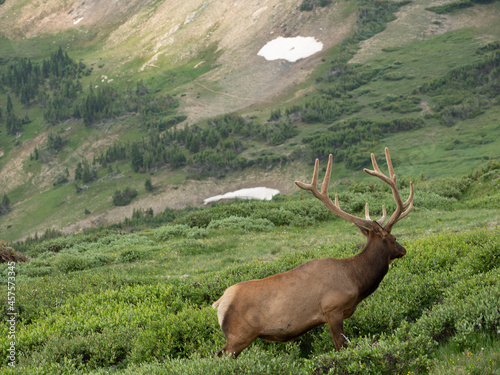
(398, 214)
(334, 207)
(367, 222)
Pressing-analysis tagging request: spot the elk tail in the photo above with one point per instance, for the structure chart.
(216, 303)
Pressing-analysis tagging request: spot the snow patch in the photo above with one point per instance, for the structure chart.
(260, 193)
(290, 49)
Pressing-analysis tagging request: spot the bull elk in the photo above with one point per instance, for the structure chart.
(284, 306)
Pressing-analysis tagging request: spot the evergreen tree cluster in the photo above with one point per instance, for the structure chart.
(124, 197)
(466, 91)
(4, 205)
(209, 149)
(27, 79)
(308, 5)
(13, 123)
(55, 142)
(84, 172)
(345, 139)
(54, 84)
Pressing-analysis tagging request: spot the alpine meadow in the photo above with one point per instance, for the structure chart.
(118, 119)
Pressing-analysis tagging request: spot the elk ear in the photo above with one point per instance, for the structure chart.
(377, 228)
(364, 231)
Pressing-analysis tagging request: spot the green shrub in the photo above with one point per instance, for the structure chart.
(109, 346)
(122, 198)
(387, 355)
(168, 232)
(191, 331)
(243, 223)
(36, 270)
(130, 255)
(171, 231)
(276, 216)
(448, 187)
(71, 263)
(190, 246)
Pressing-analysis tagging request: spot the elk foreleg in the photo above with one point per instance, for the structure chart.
(335, 320)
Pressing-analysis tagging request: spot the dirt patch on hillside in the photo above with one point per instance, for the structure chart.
(28, 19)
(193, 193)
(412, 22)
(164, 33)
(244, 80)
(12, 174)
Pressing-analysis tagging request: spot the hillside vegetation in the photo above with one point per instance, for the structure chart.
(113, 301)
(87, 114)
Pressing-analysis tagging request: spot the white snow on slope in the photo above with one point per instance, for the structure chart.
(261, 193)
(291, 49)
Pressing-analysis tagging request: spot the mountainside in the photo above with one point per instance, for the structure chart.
(147, 36)
(131, 91)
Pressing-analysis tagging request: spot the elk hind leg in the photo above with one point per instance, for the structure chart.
(234, 346)
(238, 337)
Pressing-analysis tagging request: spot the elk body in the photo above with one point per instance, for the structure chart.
(284, 306)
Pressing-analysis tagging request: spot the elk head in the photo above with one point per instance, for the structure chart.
(284, 306)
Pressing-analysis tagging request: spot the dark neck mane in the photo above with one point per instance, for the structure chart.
(370, 266)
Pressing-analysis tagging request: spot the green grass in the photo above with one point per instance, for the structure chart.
(434, 150)
(139, 302)
(482, 356)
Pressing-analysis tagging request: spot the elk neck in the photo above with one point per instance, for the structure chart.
(371, 265)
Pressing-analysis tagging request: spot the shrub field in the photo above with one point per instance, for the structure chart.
(139, 301)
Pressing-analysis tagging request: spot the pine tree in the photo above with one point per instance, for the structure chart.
(9, 104)
(148, 185)
(5, 205)
(136, 157)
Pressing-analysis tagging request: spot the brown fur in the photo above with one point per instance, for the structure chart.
(285, 306)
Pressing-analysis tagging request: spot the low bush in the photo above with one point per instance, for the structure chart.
(70, 263)
(122, 198)
(179, 231)
(129, 255)
(242, 223)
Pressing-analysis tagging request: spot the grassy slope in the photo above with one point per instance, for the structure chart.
(73, 303)
(429, 150)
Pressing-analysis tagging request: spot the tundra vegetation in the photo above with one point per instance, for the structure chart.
(136, 298)
(54, 105)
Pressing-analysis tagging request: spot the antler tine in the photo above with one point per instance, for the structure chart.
(408, 205)
(379, 221)
(384, 216)
(389, 164)
(410, 198)
(406, 212)
(314, 181)
(374, 163)
(328, 174)
(391, 181)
